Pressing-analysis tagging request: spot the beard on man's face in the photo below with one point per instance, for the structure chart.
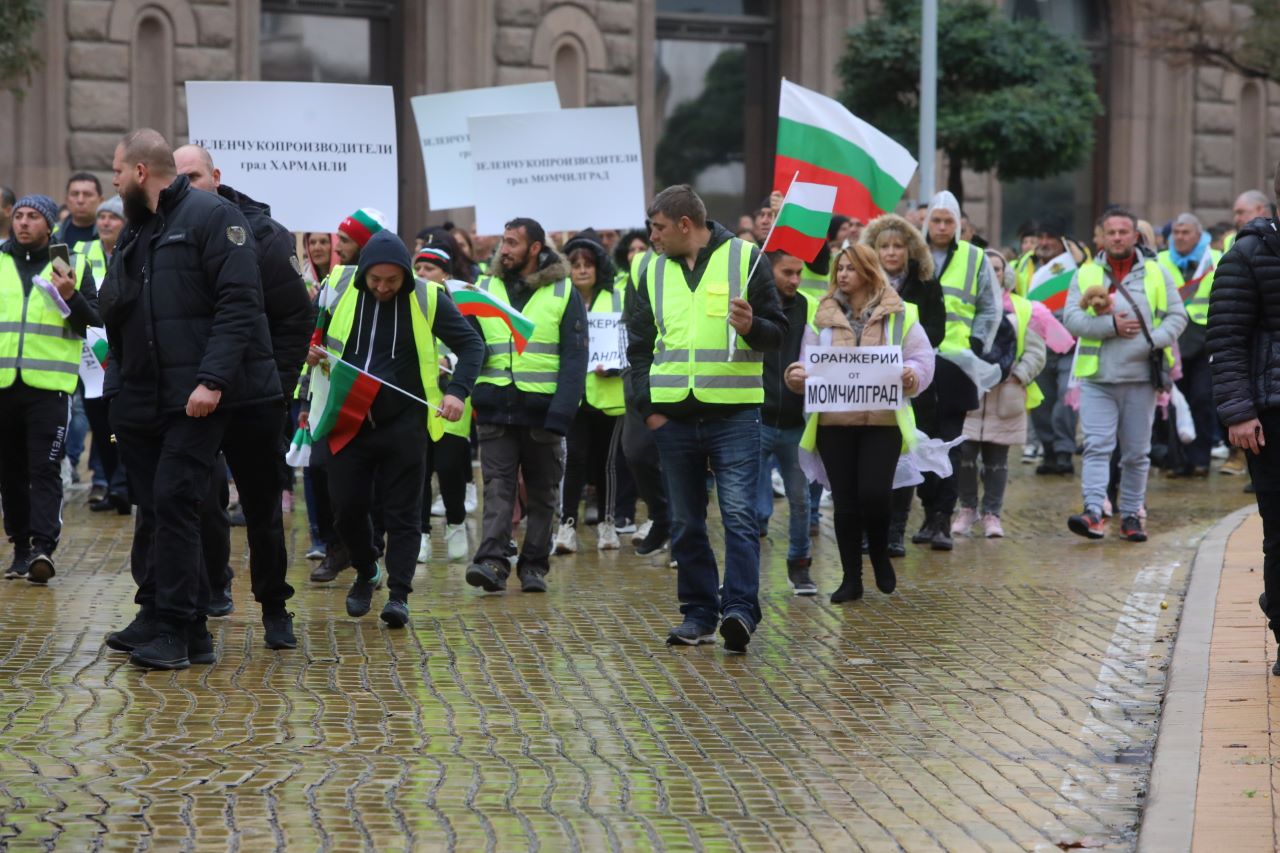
(136, 209)
(515, 260)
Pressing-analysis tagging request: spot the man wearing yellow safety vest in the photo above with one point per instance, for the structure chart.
(1132, 316)
(1191, 264)
(40, 349)
(782, 425)
(385, 322)
(525, 402)
(705, 313)
(970, 295)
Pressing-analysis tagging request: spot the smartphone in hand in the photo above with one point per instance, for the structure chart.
(60, 257)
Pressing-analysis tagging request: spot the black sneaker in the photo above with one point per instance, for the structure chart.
(532, 580)
(277, 630)
(220, 603)
(941, 540)
(113, 501)
(395, 613)
(1065, 465)
(798, 574)
(924, 535)
(1088, 524)
(139, 632)
(18, 568)
(690, 633)
(40, 569)
(1275, 668)
(486, 577)
(655, 542)
(736, 634)
(200, 643)
(896, 548)
(166, 650)
(1131, 529)
(360, 596)
(336, 561)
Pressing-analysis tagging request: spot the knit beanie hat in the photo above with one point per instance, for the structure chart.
(363, 224)
(114, 206)
(435, 255)
(42, 205)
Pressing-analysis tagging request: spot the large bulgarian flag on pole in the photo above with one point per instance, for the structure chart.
(801, 227)
(826, 144)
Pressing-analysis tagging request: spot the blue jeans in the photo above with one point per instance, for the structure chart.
(784, 445)
(731, 445)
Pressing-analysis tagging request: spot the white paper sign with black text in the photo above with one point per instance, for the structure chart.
(568, 169)
(314, 152)
(853, 379)
(446, 145)
(607, 341)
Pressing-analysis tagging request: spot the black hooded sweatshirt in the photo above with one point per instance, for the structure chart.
(381, 339)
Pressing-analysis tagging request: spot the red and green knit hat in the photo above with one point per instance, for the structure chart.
(363, 224)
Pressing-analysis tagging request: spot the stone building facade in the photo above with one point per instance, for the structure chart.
(1172, 138)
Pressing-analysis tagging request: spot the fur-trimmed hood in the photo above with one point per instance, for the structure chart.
(918, 253)
(553, 267)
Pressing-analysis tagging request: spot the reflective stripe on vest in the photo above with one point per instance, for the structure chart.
(422, 319)
(537, 369)
(959, 283)
(35, 340)
(692, 351)
(336, 285)
(899, 323)
(605, 392)
(1023, 270)
(96, 256)
(813, 285)
(1197, 306)
(1022, 309)
(1091, 274)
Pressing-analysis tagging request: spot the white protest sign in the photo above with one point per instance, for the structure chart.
(314, 152)
(93, 355)
(853, 379)
(446, 145)
(567, 169)
(607, 343)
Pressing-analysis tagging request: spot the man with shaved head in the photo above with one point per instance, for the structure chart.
(190, 355)
(1250, 205)
(261, 473)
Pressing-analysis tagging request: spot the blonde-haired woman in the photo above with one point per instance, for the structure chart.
(859, 450)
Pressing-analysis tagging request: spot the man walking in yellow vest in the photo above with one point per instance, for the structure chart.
(1131, 316)
(40, 349)
(705, 314)
(525, 402)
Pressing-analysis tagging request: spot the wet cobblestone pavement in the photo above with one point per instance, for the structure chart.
(1005, 698)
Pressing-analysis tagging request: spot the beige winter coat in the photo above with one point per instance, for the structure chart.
(1001, 416)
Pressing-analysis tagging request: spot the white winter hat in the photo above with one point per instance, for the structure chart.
(944, 201)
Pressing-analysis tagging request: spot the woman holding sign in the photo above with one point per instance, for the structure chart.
(859, 449)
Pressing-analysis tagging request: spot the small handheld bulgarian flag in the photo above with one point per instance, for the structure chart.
(474, 302)
(299, 455)
(341, 395)
(1052, 281)
(801, 227)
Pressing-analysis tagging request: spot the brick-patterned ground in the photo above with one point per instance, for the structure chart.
(1005, 698)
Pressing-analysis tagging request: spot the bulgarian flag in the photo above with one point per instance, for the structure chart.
(826, 144)
(801, 227)
(1050, 283)
(341, 395)
(474, 302)
(95, 339)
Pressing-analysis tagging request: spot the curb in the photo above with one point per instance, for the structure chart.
(1170, 813)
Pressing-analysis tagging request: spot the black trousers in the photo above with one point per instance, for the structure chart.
(1196, 385)
(97, 411)
(641, 454)
(860, 463)
(1269, 508)
(33, 433)
(388, 460)
(450, 460)
(251, 447)
(592, 453)
(170, 460)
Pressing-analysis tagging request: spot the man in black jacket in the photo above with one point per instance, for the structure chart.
(182, 305)
(782, 424)
(261, 472)
(1243, 338)
(525, 403)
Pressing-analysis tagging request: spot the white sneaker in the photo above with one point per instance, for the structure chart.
(607, 537)
(470, 503)
(825, 500)
(626, 527)
(641, 532)
(1030, 452)
(455, 540)
(566, 541)
(424, 548)
(779, 488)
(1220, 451)
(965, 520)
(437, 508)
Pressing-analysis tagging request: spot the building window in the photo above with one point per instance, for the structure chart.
(151, 92)
(1250, 169)
(569, 70)
(328, 41)
(717, 92)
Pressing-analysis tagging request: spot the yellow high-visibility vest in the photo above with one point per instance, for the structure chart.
(1090, 349)
(960, 285)
(537, 369)
(35, 339)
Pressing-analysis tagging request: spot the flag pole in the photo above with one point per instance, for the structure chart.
(774, 225)
(382, 381)
(927, 142)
